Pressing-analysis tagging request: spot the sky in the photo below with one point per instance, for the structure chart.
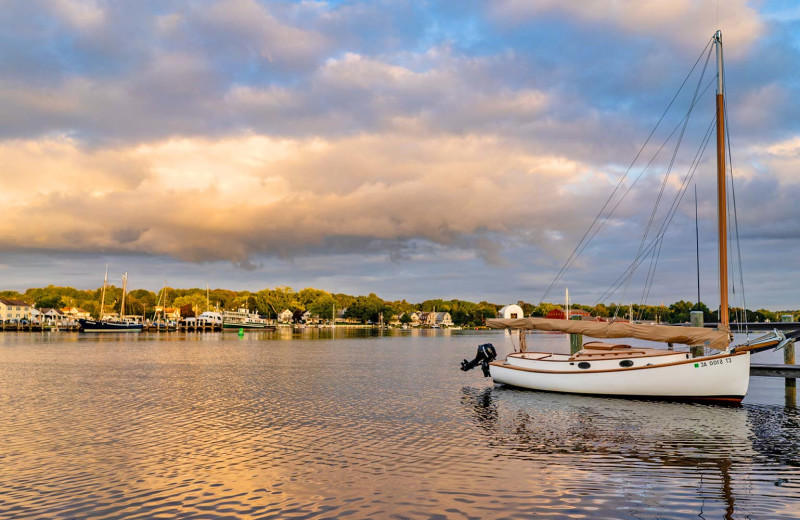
(451, 149)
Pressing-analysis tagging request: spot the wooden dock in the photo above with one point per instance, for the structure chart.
(28, 327)
(785, 371)
(758, 326)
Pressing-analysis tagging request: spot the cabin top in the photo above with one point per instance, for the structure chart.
(600, 350)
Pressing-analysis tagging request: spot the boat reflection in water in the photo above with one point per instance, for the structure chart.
(642, 459)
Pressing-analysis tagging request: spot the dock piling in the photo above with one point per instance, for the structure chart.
(790, 382)
(575, 343)
(696, 319)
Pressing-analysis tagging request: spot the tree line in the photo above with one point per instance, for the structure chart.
(270, 302)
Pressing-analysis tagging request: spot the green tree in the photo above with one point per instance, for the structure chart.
(322, 306)
(197, 302)
(679, 312)
(367, 308)
(700, 306)
(51, 302)
(12, 295)
(543, 308)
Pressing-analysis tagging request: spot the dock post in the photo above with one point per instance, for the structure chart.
(696, 319)
(790, 382)
(575, 343)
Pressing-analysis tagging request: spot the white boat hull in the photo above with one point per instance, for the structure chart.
(724, 377)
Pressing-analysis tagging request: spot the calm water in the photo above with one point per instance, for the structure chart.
(282, 426)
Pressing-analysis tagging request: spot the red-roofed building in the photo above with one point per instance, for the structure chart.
(559, 314)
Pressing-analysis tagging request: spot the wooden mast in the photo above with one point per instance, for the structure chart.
(124, 288)
(721, 195)
(103, 297)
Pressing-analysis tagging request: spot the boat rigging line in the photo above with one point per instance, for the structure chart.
(654, 258)
(735, 217)
(665, 224)
(676, 203)
(631, 186)
(583, 241)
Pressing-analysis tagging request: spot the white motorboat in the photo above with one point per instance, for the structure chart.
(244, 319)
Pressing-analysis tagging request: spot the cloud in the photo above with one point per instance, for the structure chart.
(740, 22)
(204, 200)
(81, 15)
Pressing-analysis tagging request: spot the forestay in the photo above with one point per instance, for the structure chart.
(692, 336)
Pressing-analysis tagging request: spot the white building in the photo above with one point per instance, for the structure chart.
(76, 313)
(14, 310)
(413, 315)
(510, 312)
(285, 316)
(49, 316)
(443, 319)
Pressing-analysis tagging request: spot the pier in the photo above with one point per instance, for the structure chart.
(758, 326)
(786, 371)
(30, 327)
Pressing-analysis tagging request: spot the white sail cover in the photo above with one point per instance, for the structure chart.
(692, 336)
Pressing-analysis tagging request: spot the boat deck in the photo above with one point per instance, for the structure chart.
(596, 350)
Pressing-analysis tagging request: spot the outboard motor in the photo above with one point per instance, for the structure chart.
(486, 354)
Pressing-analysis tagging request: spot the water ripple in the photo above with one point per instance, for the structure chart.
(359, 427)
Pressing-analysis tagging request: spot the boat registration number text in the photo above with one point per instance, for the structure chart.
(713, 362)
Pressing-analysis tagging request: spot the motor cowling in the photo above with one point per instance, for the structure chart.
(486, 354)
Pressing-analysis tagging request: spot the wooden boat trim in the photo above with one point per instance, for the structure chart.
(601, 355)
(645, 367)
(748, 348)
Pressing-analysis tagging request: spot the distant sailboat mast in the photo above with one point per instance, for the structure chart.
(124, 288)
(103, 297)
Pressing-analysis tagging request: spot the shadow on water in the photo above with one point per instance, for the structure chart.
(730, 462)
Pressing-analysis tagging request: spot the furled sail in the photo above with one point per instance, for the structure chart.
(692, 336)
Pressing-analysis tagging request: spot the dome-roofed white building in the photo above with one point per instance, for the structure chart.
(510, 312)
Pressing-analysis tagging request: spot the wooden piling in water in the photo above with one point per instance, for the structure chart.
(696, 319)
(790, 382)
(575, 343)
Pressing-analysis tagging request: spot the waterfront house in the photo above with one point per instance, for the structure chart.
(443, 319)
(427, 319)
(75, 313)
(560, 314)
(15, 310)
(414, 316)
(48, 316)
(309, 318)
(285, 316)
(169, 313)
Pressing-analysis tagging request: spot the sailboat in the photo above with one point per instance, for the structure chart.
(619, 369)
(117, 324)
